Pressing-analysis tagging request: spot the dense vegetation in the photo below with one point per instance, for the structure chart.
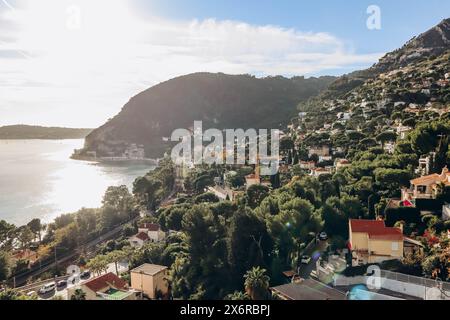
(219, 100)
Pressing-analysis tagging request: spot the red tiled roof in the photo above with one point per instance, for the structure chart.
(376, 229)
(104, 281)
(150, 226)
(143, 236)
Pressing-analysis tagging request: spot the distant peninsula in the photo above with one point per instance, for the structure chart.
(16, 132)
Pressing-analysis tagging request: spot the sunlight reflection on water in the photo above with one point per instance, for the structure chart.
(38, 180)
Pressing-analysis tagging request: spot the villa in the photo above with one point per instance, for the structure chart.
(372, 242)
(105, 287)
(426, 187)
(150, 280)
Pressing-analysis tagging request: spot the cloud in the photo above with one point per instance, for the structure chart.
(92, 57)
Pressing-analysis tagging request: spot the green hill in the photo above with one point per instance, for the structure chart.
(37, 132)
(219, 100)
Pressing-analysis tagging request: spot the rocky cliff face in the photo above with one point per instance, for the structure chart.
(429, 44)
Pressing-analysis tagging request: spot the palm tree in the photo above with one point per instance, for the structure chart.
(78, 295)
(116, 257)
(256, 283)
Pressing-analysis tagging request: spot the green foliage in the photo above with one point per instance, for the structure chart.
(257, 283)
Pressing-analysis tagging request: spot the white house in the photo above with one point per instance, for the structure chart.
(139, 239)
(153, 231)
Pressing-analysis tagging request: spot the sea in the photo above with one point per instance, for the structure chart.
(39, 180)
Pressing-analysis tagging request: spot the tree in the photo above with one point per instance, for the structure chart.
(292, 227)
(120, 199)
(98, 264)
(116, 257)
(78, 294)
(249, 244)
(202, 182)
(386, 136)
(25, 236)
(206, 197)
(7, 232)
(256, 283)
(36, 227)
(237, 296)
(5, 265)
(11, 294)
(148, 191)
(392, 180)
(255, 194)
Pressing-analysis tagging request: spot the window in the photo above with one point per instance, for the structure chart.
(421, 189)
(394, 246)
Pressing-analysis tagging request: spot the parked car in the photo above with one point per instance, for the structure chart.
(323, 236)
(31, 294)
(85, 274)
(61, 284)
(305, 259)
(49, 287)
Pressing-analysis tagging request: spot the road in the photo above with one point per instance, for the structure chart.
(314, 252)
(22, 279)
(63, 292)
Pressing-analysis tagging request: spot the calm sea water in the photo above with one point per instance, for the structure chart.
(39, 180)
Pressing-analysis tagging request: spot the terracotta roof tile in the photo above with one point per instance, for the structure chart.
(142, 236)
(376, 229)
(150, 226)
(105, 281)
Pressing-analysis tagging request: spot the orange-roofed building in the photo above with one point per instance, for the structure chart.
(105, 287)
(426, 187)
(372, 242)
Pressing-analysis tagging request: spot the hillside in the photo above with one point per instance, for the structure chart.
(37, 132)
(428, 45)
(219, 100)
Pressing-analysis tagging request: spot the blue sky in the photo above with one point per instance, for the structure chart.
(401, 19)
(77, 62)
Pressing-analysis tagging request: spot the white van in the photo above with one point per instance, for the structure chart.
(49, 287)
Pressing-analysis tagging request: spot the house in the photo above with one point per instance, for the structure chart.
(321, 151)
(150, 280)
(224, 193)
(139, 239)
(307, 289)
(426, 187)
(389, 147)
(424, 166)
(411, 246)
(344, 116)
(341, 163)
(372, 242)
(307, 165)
(325, 158)
(134, 152)
(316, 172)
(153, 230)
(26, 254)
(446, 212)
(105, 287)
(402, 131)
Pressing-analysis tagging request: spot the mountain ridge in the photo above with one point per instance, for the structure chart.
(22, 131)
(219, 100)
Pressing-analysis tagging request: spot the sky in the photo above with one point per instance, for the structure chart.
(75, 63)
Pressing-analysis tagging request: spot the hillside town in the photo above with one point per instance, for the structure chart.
(362, 191)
